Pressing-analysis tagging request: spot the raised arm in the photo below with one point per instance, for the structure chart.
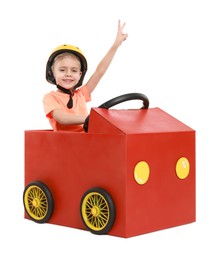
(106, 61)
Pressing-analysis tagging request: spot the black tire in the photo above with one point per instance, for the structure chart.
(117, 100)
(38, 202)
(97, 211)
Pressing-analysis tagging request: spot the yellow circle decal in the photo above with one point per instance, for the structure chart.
(141, 172)
(182, 168)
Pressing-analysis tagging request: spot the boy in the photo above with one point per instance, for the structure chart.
(66, 108)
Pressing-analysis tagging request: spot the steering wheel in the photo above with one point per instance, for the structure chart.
(117, 100)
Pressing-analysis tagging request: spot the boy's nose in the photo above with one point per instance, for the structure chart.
(68, 73)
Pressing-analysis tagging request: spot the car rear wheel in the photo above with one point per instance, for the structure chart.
(38, 202)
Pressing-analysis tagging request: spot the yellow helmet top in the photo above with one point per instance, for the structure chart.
(61, 49)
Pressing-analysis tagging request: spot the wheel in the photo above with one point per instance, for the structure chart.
(118, 100)
(97, 211)
(38, 202)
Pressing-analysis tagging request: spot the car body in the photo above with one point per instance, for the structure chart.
(141, 159)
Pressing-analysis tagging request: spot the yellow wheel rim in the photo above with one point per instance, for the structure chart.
(95, 211)
(36, 202)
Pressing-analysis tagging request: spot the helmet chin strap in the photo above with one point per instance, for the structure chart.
(70, 93)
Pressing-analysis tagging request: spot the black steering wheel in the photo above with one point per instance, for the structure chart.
(117, 100)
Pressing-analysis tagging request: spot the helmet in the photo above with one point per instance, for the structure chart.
(61, 49)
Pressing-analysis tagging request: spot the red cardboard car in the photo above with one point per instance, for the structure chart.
(131, 172)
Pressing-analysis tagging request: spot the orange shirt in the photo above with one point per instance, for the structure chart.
(59, 100)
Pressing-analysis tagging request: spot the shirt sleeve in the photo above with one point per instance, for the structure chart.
(50, 104)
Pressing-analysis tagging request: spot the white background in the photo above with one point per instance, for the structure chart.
(170, 55)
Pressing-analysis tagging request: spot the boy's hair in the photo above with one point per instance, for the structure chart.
(64, 55)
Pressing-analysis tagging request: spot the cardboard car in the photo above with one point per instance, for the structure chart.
(131, 172)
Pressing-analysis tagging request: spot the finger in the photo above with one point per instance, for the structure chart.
(122, 27)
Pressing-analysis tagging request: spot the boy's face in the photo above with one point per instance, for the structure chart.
(67, 71)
